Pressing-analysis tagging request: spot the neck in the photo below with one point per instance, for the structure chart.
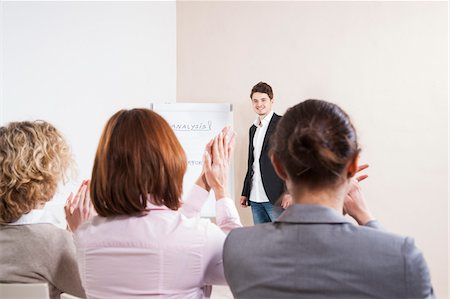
(332, 197)
(261, 117)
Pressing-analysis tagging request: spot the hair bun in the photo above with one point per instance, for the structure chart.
(309, 149)
(314, 141)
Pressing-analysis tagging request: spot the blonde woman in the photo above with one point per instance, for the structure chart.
(34, 159)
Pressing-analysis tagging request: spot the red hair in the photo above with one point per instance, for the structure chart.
(138, 155)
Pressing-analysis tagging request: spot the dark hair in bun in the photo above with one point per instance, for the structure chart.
(315, 141)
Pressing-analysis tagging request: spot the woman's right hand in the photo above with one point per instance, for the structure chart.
(216, 161)
(78, 208)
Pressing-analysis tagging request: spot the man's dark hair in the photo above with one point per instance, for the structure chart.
(262, 87)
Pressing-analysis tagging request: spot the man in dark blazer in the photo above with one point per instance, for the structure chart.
(263, 190)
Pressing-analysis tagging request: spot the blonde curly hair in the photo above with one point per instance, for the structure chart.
(34, 158)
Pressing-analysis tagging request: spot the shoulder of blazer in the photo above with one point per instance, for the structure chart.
(270, 130)
(276, 117)
(274, 121)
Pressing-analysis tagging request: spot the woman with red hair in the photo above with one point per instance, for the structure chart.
(146, 242)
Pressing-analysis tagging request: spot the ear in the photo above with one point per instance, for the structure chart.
(352, 167)
(279, 168)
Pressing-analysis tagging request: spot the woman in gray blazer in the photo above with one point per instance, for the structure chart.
(312, 250)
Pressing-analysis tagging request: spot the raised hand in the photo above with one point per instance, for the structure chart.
(216, 161)
(361, 168)
(78, 208)
(354, 203)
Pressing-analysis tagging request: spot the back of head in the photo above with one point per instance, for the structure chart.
(315, 141)
(262, 87)
(34, 157)
(138, 155)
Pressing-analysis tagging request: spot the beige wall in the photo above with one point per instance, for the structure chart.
(385, 63)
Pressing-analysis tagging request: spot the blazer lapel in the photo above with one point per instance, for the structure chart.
(270, 129)
(252, 135)
(252, 131)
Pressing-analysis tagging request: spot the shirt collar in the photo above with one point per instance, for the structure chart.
(151, 206)
(311, 214)
(34, 217)
(265, 121)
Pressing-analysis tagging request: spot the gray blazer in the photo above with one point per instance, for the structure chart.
(312, 251)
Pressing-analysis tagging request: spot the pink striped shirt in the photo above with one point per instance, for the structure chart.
(165, 254)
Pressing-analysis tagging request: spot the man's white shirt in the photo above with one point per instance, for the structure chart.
(257, 193)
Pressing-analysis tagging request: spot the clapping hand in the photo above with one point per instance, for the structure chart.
(354, 203)
(216, 161)
(78, 208)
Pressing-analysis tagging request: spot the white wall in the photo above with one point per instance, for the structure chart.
(76, 63)
(385, 63)
(1, 62)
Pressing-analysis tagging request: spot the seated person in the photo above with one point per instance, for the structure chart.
(312, 250)
(145, 242)
(34, 158)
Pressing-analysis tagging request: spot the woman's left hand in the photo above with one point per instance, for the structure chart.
(216, 161)
(355, 203)
(78, 208)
